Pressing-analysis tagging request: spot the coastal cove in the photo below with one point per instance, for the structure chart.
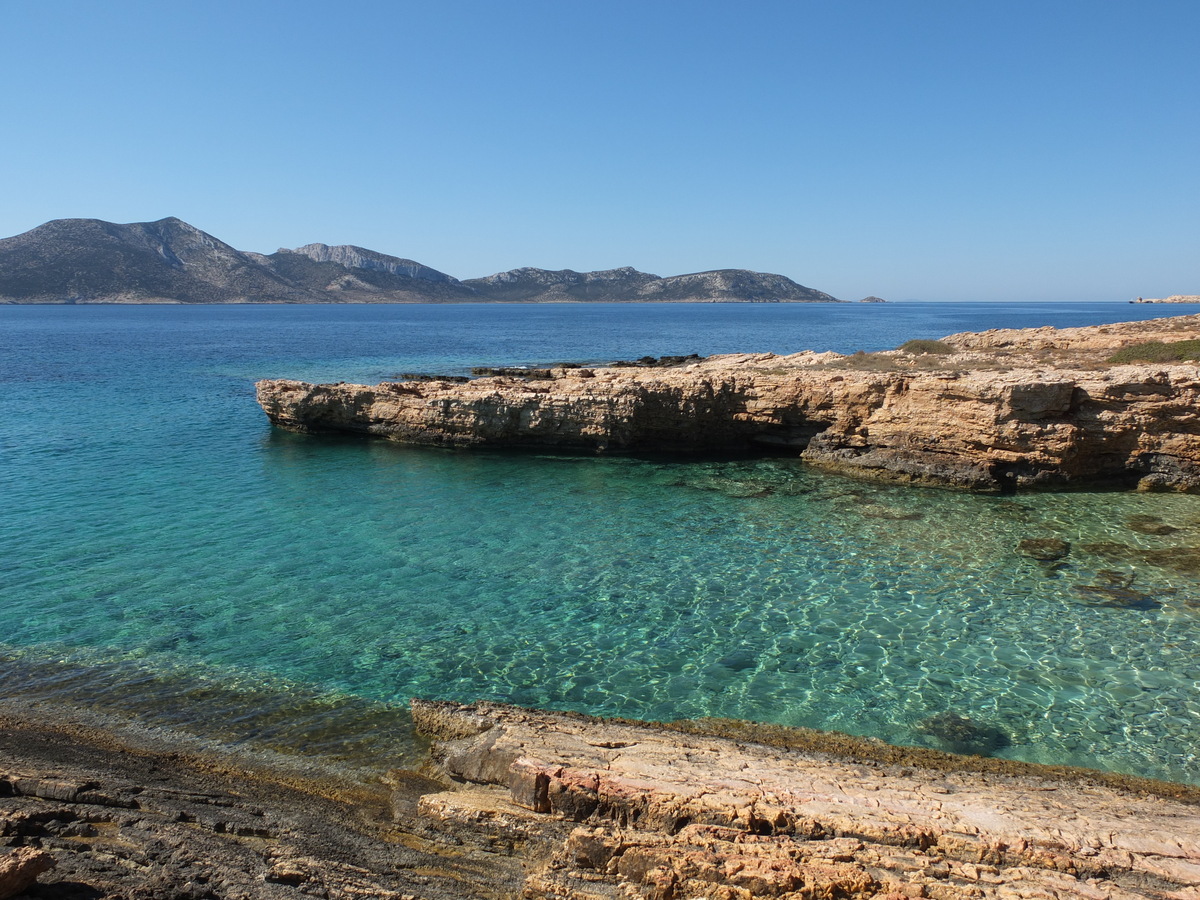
(169, 556)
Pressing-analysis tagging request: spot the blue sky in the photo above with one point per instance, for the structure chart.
(968, 150)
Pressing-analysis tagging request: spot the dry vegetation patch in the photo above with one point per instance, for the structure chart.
(1158, 352)
(922, 347)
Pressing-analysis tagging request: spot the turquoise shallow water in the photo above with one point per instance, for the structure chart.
(165, 553)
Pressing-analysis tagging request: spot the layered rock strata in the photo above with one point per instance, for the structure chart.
(1001, 410)
(556, 806)
(85, 814)
(636, 811)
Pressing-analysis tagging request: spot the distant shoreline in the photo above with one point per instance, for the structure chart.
(333, 303)
(430, 302)
(1174, 298)
(173, 261)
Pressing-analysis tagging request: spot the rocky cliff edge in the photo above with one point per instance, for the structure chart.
(630, 810)
(992, 411)
(558, 806)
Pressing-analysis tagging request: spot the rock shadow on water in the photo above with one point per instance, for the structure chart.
(739, 660)
(1114, 590)
(1044, 549)
(961, 734)
(1182, 560)
(741, 480)
(1051, 553)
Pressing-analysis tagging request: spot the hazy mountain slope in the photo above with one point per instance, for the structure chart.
(87, 260)
(628, 284)
(733, 284)
(92, 261)
(353, 257)
(530, 284)
(351, 274)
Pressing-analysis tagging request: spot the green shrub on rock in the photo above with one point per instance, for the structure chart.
(925, 346)
(1158, 352)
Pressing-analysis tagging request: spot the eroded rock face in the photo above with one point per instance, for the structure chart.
(352, 257)
(1016, 409)
(519, 803)
(654, 813)
(105, 820)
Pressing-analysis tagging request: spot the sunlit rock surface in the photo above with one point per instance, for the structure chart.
(521, 803)
(998, 411)
(653, 812)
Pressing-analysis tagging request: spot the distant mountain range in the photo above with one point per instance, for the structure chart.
(170, 261)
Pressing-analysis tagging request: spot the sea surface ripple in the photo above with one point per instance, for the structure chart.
(165, 554)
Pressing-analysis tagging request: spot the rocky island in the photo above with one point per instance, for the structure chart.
(1000, 410)
(169, 261)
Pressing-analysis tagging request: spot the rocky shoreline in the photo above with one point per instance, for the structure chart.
(1174, 298)
(518, 803)
(993, 411)
(96, 808)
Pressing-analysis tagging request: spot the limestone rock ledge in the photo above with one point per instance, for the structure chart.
(559, 806)
(1004, 410)
(630, 810)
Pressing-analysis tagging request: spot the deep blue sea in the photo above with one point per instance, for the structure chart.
(166, 555)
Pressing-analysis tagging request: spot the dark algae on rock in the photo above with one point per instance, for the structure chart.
(962, 734)
(122, 820)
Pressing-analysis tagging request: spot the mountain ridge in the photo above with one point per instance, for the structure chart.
(170, 261)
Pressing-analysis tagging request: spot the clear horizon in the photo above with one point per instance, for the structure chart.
(934, 150)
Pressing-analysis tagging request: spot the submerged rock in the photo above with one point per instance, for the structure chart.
(739, 660)
(1185, 560)
(1111, 550)
(1114, 590)
(889, 513)
(1154, 525)
(1044, 549)
(962, 734)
